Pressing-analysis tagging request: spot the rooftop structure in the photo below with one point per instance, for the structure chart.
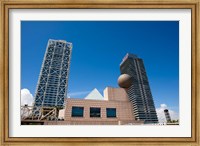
(94, 95)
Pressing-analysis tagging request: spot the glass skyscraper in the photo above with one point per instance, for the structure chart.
(53, 79)
(139, 92)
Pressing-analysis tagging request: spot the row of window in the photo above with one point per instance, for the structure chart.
(94, 112)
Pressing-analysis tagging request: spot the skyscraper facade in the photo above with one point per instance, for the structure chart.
(53, 79)
(139, 92)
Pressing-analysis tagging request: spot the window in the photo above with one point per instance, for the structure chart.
(111, 112)
(95, 112)
(77, 111)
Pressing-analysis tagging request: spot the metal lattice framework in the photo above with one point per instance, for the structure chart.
(53, 79)
(45, 113)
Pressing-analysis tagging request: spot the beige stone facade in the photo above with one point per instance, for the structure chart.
(115, 94)
(113, 98)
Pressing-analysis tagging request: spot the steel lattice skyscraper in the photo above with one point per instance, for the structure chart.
(53, 79)
(139, 92)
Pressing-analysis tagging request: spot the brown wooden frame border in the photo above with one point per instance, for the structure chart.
(129, 4)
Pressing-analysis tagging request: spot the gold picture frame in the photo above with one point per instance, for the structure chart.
(129, 4)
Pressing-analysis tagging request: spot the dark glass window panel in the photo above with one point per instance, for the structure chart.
(95, 112)
(111, 112)
(77, 111)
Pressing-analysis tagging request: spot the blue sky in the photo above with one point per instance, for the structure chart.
(98, 49)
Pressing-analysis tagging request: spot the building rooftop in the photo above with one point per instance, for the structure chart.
(128, 55)
(61, 41)
(94, 95)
